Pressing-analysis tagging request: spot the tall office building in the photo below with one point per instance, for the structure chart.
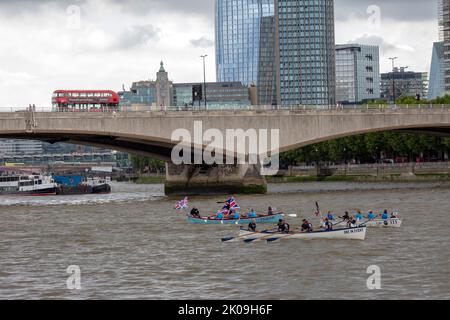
(266, 84)
(436, 87)
(305, 54)
(444, 33)
(285, 47)
(357, 73)
(238, 24)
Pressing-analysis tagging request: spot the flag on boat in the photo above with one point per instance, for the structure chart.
(233, 204)
(183, 204)
(230, 205)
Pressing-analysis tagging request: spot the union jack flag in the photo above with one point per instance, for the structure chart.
(183, 204)
(230, 205)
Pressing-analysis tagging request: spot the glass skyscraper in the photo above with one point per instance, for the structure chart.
(238, 24)
(444, 35)
(306, 52)
(285, 47)
(267, 90)
(436, 86)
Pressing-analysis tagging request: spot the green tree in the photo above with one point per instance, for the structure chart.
(139, 163)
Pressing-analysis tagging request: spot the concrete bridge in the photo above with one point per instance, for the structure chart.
(150, 133)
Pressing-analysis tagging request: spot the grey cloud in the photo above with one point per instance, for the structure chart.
(12, 7)
(203, 8)
(374, 40)
(202, 42)
(138, 35)
(385, 47)
(404, 10)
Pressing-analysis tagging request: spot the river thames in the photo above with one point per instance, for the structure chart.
(132, 244)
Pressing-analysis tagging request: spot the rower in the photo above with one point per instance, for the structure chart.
(371, 216)
(330, 216)
(252, 214)
(219, 216)
(351, 223)
(283, 226)
(394, 215)
(385, 215)
(327, 225)
(235, 215)
(270, 211)
(306, 226)
(252, 226)
(346, 216)
(359, 215)
(195, 213)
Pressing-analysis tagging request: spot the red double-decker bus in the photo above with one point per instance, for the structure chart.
(85, 101)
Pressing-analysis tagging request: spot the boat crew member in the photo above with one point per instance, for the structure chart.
(371, 216)
(235, 215)
(346, 216)
(359, 215)
(252, 226)
(219, 216)
(394, 215)
(283, 226)
(195, 213)
(270, 211)
(351, 223)
(385, 215)
(327, 225)
(306, 226)
(330, 216)
(252, 214)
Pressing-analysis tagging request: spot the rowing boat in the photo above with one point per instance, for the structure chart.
(358, 233)
(388, 223)
(259, 220)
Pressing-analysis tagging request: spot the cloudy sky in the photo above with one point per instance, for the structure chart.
(104, 44)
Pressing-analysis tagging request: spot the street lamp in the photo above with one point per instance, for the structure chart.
(393, 76)
(204, 78)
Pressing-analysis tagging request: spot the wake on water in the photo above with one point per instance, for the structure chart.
(6, 201)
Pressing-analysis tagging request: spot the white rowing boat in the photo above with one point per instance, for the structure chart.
(358, 233)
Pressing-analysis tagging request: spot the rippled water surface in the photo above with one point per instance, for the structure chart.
(133, 245)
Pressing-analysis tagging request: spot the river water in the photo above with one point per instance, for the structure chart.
(133, 245)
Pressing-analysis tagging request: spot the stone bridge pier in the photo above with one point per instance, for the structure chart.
(203, 179)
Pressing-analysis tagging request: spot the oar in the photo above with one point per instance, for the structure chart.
(226, 239)
(282, 236)
(338, 223)
(262, 238)
(254, 239)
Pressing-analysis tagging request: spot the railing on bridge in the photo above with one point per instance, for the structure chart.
(374, 107)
